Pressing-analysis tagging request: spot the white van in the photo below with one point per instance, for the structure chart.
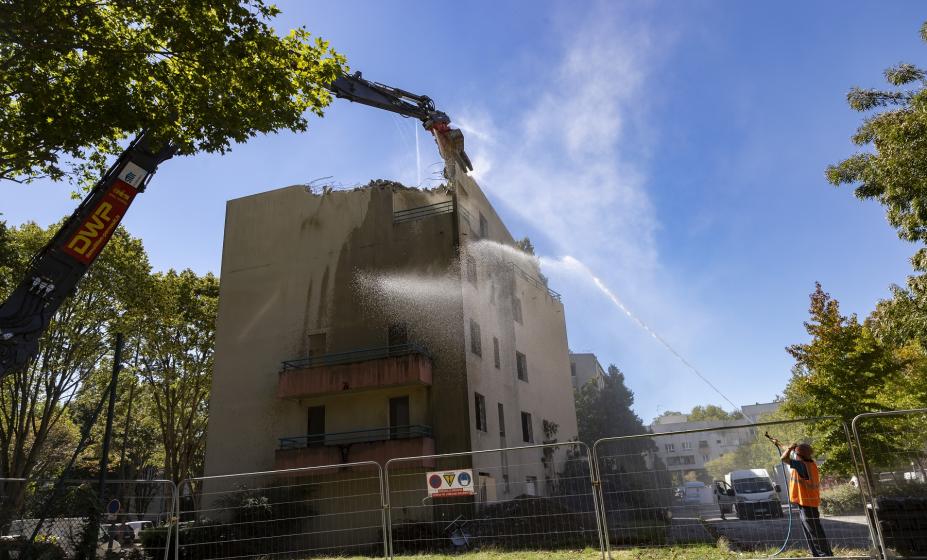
(697, 493)
(755, 494)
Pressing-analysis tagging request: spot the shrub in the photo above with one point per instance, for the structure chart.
(843, 499)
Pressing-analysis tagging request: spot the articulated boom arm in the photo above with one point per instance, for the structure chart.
(450, 141)
(59, 266)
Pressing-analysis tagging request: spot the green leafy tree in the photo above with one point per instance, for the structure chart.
(177, 342)
(79, 76)
(34, 422)
(842, 371)
(892, 167)
(701, 413)
(607, 412)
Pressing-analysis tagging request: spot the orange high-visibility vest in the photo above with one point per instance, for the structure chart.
(805, 491)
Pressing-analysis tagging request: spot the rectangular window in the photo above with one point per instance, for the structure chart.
(315, 429)
(501, 421)
(688, 460)
(516, 309)
(706, 458)
(687, 445)
(399, 417)
(495, 353)
(476, 344)
(703, 443)
(397, 335)
(531, 486)
(672, 461)
(316, 344)
(480, 409)
(484, 226)
(471, 270)
(572, 369)
(527, 428)
(670, 447)
(521, 366)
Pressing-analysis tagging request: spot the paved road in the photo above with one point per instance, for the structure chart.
(704, 525)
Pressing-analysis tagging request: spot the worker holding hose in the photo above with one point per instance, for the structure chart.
(805, 491)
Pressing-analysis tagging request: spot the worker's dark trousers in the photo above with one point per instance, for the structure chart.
(814, 531)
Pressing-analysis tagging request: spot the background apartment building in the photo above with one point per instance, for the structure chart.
(688, 453)
(585, 367)
(384, 322)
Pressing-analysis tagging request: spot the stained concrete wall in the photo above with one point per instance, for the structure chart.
(289, 271)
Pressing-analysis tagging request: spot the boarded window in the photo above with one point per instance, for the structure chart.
(479, 403)
(476, 344)
(496, 360)
(521, 366)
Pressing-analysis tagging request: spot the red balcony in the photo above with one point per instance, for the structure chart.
(357, 370)
(378, 444)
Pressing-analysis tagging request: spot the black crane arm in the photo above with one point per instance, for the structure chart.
(354, 87)
(56, 269)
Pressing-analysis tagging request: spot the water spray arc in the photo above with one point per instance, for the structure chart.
(577, 265)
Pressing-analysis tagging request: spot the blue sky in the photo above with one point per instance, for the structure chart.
(676, 148)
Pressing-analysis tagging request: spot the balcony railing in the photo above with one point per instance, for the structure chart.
(354, 356)
(534, 281)
(356, 436)
(421, 212)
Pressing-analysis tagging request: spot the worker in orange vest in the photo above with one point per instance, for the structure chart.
(805, 491)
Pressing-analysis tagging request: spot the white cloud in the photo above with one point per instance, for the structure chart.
(573, 164)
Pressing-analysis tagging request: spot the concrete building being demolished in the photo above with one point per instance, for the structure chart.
(384, 322)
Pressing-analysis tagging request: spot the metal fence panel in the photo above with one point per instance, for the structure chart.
(893, 451)
(525, 498)
(331, 510)
(130, 517)
(723, 486)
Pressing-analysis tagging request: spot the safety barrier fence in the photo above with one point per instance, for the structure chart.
(893, 454)
(725, 486)
(538, 497)
(721, 486)
(75, 519)
(296, 513)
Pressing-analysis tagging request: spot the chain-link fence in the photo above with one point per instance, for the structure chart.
(893, 453)
(323, 511)
(726, 486)
(537, 497)
(76, 519)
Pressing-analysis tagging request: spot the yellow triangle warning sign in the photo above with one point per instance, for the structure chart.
(449, 477)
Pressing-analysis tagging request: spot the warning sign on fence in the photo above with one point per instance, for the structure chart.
(448, 484)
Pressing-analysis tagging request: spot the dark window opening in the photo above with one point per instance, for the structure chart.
(399, 417)
(315, 428)
(480, 409)
(521, 366)
(476, 344)
(317, 344)
(516, 309)
(527, 429)
(496, 360)
(397, 335)
(501, 421)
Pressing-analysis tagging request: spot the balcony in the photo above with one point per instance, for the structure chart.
(376, 444)
(357, 370)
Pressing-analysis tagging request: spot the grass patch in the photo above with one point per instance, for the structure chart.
(674, 553)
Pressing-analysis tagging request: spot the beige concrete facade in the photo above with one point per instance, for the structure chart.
(320, 281)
